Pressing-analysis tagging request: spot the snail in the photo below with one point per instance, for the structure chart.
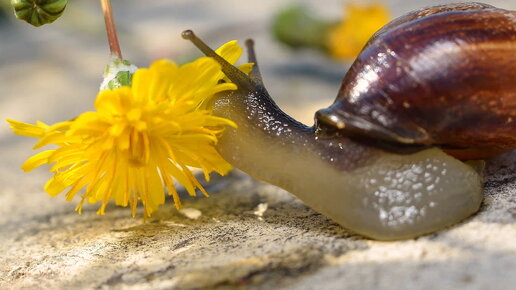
(374, 161)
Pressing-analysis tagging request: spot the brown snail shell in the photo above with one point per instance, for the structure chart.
(441, 76)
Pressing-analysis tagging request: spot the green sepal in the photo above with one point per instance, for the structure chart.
(118, 73)
(38, 12)
(122, 78)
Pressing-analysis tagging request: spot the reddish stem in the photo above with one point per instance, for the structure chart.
(114, 45)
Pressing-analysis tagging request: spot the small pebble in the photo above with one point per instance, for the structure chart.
(191, 213)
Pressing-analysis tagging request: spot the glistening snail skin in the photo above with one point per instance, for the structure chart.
(377, 194)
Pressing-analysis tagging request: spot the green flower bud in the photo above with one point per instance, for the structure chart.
(298, 28)
(38, 12)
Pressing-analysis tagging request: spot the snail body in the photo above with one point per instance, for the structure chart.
(340, 169)
(375, 193)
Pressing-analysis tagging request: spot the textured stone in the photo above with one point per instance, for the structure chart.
(53, 74)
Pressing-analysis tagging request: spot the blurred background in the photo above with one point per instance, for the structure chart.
(57, 67)
(52, 73)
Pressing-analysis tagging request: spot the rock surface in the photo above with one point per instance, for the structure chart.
(248, 233)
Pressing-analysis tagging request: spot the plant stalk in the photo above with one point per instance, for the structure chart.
(114, 45)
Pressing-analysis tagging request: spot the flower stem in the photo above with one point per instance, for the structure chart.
(114, 46)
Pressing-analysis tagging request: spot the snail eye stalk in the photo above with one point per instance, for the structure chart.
(233, 73)
(251, 57)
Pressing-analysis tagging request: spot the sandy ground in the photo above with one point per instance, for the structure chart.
(249, 234)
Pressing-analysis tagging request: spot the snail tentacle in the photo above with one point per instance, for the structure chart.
(255, 74)
(233, 73)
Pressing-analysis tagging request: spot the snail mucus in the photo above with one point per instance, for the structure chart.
(440, 78)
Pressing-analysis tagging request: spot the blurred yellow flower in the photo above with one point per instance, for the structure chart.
(140, 139)
(360, 22)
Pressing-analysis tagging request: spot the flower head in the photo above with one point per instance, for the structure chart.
(140, 140)
(360, 22)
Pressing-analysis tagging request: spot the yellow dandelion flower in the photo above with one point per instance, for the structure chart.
(360, 22)
(140, 140)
